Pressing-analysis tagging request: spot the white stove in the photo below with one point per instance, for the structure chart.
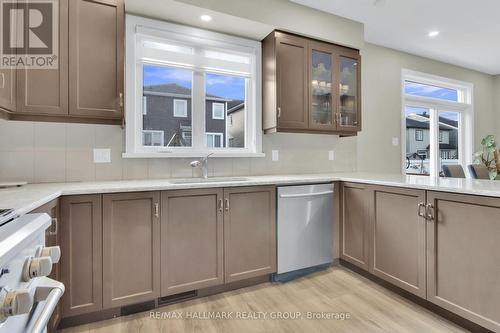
(27, 296)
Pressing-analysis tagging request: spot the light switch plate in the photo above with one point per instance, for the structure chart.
(275, 155)
(331, 155)
(395, 142)
(102, 155)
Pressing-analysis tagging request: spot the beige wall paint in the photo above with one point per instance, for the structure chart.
(53, 152)
(261, 14)
(381, 80)
(496, 101)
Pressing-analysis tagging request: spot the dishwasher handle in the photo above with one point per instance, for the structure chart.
(303, 195)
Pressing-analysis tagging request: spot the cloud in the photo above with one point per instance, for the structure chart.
(163, 75)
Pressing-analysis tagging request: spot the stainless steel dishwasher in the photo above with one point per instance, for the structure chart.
(304, 230)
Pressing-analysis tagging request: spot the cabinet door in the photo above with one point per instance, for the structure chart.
(81, 254)
(322, 108)
(8, 89)
(131, 248)
(52, 238)
(349, 83)
(355, 224)
(191, 240)
(292, 82)
(96, 39)
(45, 91)
(398, 249)
(249, 232)
(463, 256)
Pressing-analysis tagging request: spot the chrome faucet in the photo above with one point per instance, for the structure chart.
(203, 163)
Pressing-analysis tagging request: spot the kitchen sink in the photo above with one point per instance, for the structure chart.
(209, 180)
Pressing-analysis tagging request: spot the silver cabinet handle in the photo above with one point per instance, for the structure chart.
(420, 212)
(301, 195)
(3, 81)
(279, 112)
(227, 204)
(157, 210)
(121, 100)
(220, 205)
(53, 227)
(429, 212)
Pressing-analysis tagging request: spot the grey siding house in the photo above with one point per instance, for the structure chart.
(167, 117)
(418, 141)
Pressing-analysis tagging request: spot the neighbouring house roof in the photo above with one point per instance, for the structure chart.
(175, 90)
(444, 123)
(235, 105)
(444, 146)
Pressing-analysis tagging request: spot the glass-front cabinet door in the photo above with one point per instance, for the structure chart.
(321, 106)
(348, 116)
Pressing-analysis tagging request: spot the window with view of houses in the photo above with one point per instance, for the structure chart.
(437, 121)
(200, 94)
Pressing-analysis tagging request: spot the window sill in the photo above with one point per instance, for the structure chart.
(190, 154)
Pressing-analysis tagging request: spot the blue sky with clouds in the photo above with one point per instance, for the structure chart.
(425, 90)
(219, 85)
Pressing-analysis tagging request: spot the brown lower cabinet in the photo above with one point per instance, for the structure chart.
(398, 236)
(447, 253)
(192, 240)
(131, 248)
(81, 254)
(355, 224)
(463, 256)
(126, 248)
(249, 232)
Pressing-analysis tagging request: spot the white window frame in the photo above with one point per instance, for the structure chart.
(180, 113)
(162, 133)
(220, 135)
(144, 105)
(223, 110)
(419, 137)
(465, 108)
(134, 81)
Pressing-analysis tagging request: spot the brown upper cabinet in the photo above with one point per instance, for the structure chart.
(8, 90)
(96, 58)
(88, 85)
(45, 91)
(310, 86)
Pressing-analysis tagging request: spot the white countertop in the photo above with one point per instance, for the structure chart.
(25, 199)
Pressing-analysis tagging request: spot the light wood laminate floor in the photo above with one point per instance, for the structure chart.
(371, 307)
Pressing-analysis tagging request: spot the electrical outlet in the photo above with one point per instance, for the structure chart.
(102, 155)
(275, 155)
(395, 142)
(331, 155)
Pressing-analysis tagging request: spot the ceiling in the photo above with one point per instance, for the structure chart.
(469, 30)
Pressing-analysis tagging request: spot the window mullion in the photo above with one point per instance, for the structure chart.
(435, 166)
(198, 116)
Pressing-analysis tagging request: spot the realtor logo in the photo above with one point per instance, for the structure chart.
(29, 36)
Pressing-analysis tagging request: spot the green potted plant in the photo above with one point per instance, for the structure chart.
(489, 157)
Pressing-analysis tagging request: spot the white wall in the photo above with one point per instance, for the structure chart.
(381, 89)
(254, 16)
(496, 101)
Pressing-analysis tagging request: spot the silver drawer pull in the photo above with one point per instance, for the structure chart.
(420, 212)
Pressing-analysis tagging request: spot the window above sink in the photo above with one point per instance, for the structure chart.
(191, 92)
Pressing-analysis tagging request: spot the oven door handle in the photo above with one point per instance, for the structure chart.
(51, 292)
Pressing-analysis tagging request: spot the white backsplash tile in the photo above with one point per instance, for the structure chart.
(53, 152)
